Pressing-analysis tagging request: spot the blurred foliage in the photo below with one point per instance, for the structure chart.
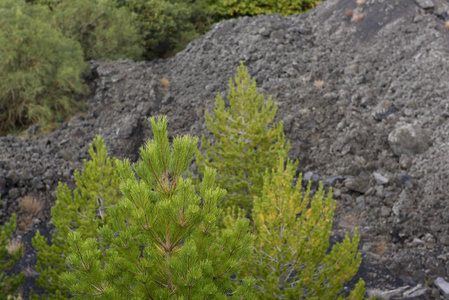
(168, 26)
(102, 29)
(40, 69)
(50, 3)
(227, 9)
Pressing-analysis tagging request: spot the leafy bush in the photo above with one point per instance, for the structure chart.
(50, 3)
(40, 69)
(8, 257)
(102, 29)
(164, 26)
(163, 242)
(168, 26)
(246, 140)
(235, 8)
(83, 211)
(293, 230)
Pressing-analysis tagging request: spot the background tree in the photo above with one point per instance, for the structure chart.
(168, 26)
(102, 29)
(162, 237)
(290, 258)
(83, 210)
(40, 68)
(231, 9)
(246, 140)
(51, 4)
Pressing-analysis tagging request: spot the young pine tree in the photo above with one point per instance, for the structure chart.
(162, 238)
(290, 258)
(83, 211)
(8, 257)
(246, 140)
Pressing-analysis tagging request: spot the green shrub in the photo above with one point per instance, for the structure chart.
(50, 3)
(246, 141)
(168, 26)
(40, 69)
(9, 254)
(163, 242)
(165, 26)
(83, 211)
(235, 8)
(102, 29)
(290, 258)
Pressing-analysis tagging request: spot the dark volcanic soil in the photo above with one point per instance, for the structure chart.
(363, 94)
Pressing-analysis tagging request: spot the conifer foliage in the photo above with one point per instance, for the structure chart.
(8, 257)
(163, 242)
(83, 210)
(293, 230)
(246, 140)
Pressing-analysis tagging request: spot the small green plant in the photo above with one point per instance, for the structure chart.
(102, 29)
(246, 140)
(40, 68)
(232, 8)
(83, 210)
(163, 242)
(9, 255)
(290, 258)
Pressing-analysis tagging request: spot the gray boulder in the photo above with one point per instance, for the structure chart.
(409, 140)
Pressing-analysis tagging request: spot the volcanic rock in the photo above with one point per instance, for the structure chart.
(409, 140)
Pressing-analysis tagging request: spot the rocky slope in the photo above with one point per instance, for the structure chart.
(362, 88)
